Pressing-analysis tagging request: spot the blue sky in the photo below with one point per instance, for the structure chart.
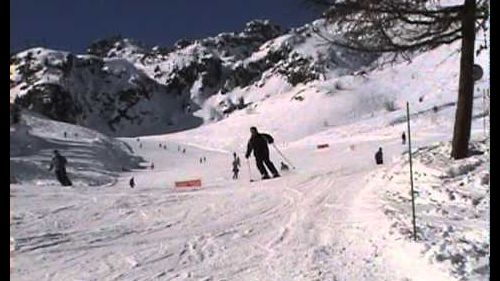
(73, 24)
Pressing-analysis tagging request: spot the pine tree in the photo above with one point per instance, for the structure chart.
(405, 27)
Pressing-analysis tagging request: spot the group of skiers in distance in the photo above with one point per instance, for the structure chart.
(257, 144)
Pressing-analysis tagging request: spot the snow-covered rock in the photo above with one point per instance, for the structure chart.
(109, 95)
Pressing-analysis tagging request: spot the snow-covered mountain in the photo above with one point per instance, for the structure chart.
(109, 95)
(124, 89)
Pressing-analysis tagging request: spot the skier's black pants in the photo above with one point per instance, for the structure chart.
(62, 177)
(260, 165)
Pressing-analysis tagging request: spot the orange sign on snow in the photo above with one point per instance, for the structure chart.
(188, 183)
(320, 146)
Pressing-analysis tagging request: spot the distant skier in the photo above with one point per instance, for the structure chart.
(258, 144)
(235, 171)
(284, 167)
(236, 165)
(201, 160)
(131, 182)
(204, 159)
(65, 134)
(403, 138)
(59, 163)
(140, 145)
(184, 150)
(379, 157)
(236, 159)
(152, 165)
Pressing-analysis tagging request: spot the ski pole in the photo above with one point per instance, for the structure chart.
(283, 156)
(249, 171)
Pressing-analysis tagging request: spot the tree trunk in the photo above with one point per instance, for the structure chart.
(463, 115)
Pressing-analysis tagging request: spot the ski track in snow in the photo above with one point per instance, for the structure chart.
(320, 221)
(298, 227)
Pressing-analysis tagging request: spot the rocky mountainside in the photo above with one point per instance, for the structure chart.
(122, 88)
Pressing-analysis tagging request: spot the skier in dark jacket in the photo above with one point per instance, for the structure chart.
(258, 144)
(403, 138)
(59, 163)
(131, 182)
(379, 157)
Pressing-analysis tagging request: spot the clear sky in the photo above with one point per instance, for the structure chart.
(73, 24)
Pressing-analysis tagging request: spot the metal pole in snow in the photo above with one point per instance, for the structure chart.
(411, 172)
(249, 171)
(283, 156)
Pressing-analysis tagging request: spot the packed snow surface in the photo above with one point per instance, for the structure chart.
(336, 216)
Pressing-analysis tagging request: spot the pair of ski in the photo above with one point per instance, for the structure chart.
(264, 179)
(283, 156)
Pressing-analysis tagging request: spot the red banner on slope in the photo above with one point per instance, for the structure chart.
(188, 183)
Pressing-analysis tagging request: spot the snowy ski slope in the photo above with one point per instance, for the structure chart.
(323, 220)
